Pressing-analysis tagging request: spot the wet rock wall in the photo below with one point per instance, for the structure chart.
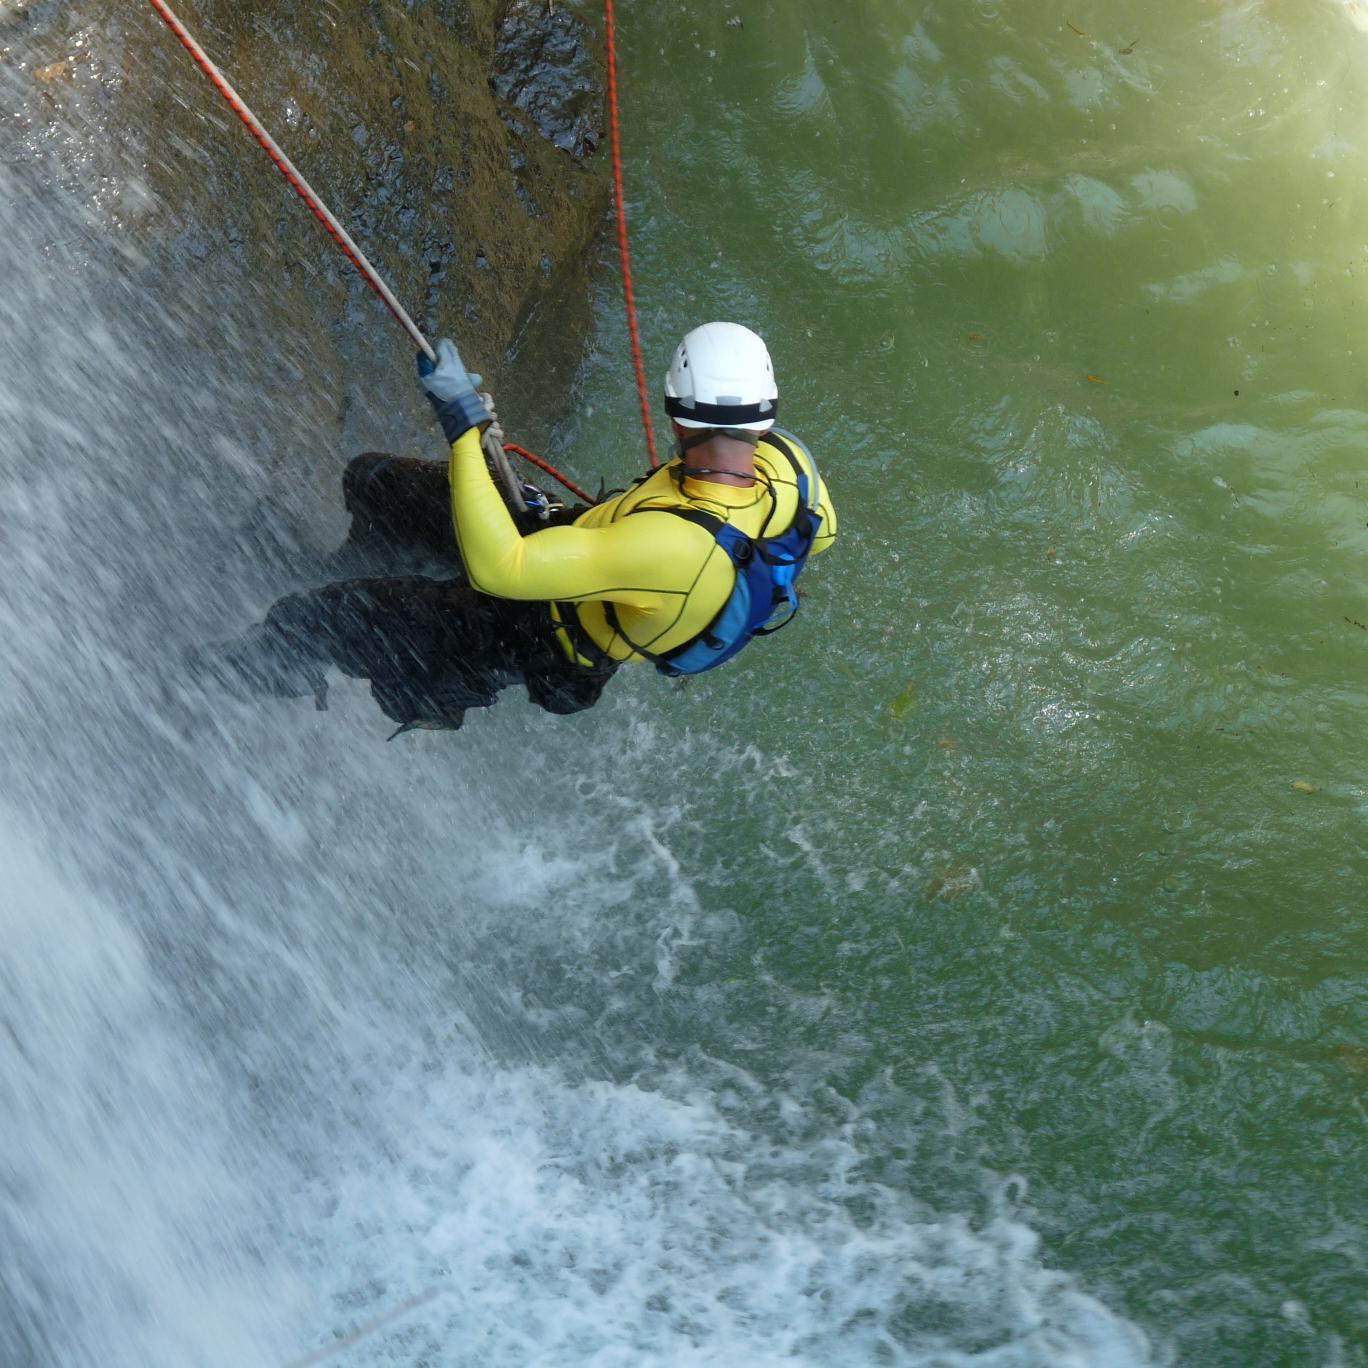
(455, 139)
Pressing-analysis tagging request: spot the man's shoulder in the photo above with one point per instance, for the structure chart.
(657, 515)
(787, 455)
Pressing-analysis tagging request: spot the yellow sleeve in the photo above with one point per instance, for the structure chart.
(631, 562)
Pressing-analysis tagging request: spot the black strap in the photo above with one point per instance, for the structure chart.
(709, 522)
(583, 643)
(610, 615)
(723, 415)
(799, 470)
(779, 627)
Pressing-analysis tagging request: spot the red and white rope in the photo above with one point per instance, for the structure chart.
(291, 173)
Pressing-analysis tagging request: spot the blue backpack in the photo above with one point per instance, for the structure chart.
(764, 599)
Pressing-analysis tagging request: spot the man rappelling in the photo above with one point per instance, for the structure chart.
(683, 569)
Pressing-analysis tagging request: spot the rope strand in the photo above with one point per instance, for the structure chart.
(298, 184)
(624, 249)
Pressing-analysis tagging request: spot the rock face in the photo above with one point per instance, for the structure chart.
(454, 139)
(543, 67)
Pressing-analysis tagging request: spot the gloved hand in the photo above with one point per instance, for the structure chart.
(452, 390)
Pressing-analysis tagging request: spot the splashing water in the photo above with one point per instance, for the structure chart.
(311, 1045)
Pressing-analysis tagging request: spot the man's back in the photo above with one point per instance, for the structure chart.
(702, 572)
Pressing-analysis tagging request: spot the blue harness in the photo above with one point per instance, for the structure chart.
(764, 599)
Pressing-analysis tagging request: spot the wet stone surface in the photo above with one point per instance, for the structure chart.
(452, 138)
(546, 66)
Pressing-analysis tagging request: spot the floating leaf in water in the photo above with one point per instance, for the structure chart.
(954, 882)
(50, 73)
(947, 743)
(905, 702)
(1301, 786)
(1050, 554)
(1354, 1058)
(1097, 380)
(975, 337)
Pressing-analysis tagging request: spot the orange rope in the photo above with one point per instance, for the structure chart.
(624, 251)
(625, 256)
(550, 470)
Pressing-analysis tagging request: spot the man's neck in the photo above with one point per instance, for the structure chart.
(724, 459)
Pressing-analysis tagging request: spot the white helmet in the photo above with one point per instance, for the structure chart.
(722, 377)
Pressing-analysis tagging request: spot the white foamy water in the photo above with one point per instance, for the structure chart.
(415, 1200)
(315, 1050)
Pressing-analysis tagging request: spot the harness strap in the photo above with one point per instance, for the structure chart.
(709, 522)
(567, 619)
(807, 496)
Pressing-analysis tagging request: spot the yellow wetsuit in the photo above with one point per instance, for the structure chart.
(666, 578)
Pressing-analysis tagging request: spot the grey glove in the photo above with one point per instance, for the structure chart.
(451, 390)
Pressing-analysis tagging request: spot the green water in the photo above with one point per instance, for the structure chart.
(1066, 881)
(973, 974)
